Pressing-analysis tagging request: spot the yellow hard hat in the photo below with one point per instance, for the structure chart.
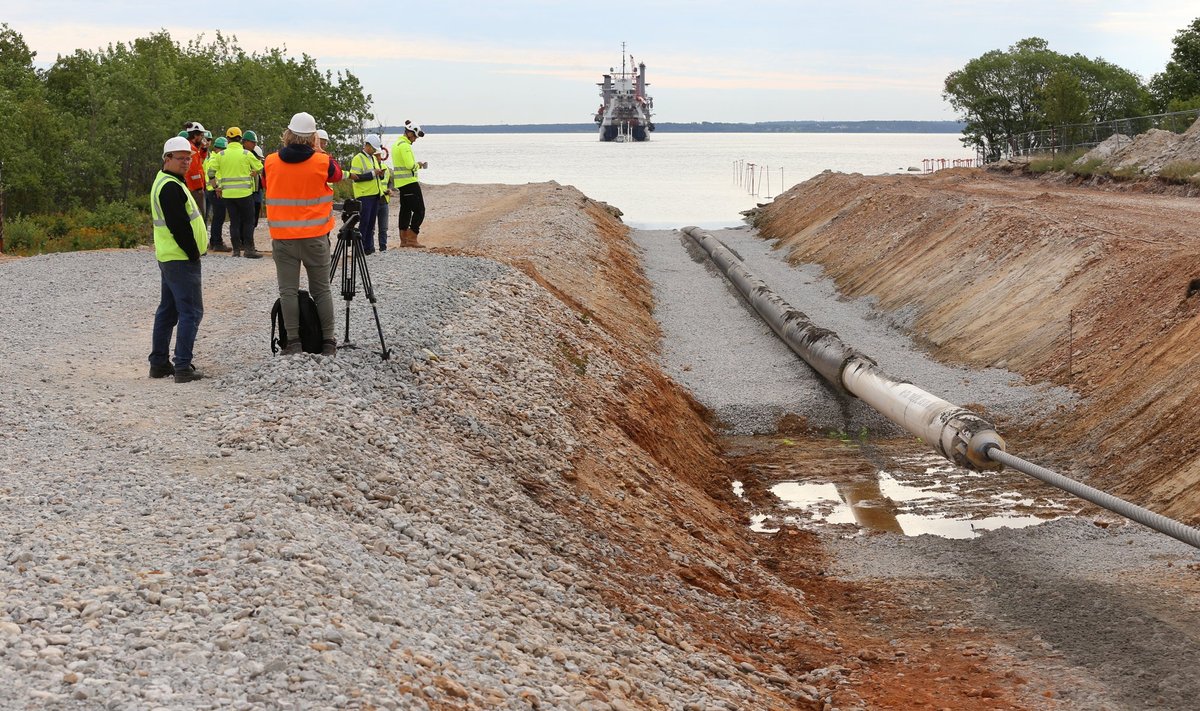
(233, 132)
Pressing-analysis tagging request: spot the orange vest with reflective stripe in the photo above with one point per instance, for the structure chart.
(299, 201)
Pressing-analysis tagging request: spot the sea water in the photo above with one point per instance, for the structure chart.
(676, 179)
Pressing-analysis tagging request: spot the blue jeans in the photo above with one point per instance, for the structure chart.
(366, 223)
(181, 304)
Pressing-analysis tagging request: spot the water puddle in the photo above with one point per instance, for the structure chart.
(914, 495)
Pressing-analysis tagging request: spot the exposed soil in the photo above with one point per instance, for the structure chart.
(1087, 288)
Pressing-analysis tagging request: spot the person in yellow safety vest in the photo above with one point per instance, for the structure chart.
(366, 174)
(412, 203)
(179, 241)
(236, 171)
(388, 176)
(215, 205)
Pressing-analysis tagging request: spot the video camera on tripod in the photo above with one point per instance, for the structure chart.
(349, 261)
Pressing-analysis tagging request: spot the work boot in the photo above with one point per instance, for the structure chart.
(292, 348)
(219, 247)
(408, 238)
(253, 254)
(187, 374)
(237, 253)
(162, 371)
(329, 347)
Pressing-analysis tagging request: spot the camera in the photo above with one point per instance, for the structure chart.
(350, 208)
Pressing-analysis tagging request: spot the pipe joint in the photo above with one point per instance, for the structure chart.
(967, 438)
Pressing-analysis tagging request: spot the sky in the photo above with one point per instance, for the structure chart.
(538, 61)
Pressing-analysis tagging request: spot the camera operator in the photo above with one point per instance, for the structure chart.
(300, 218)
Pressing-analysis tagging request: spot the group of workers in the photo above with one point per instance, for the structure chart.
(203, 182)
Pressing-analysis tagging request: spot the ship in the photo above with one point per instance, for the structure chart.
(624, 113)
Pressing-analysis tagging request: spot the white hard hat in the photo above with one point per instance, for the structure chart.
(414, 127)
(258, 152)
(303, 123)
(374, 140)
(193, 126)
(176, 143)
(322, 134)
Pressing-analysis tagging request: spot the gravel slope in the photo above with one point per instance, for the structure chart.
(305, 532)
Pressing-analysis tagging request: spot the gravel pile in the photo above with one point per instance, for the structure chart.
(717, 346)
(306, 532)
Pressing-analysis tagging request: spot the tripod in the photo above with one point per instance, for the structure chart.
(349, 259)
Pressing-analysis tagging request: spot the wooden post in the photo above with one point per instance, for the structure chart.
(1071, 347)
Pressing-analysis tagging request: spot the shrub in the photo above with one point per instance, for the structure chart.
(22, 236)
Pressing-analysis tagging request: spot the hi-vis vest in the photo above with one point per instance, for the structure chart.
(299, 201)
(234, 167)
(404, 162)
(166, 249)
(362, 164)
(210, 170)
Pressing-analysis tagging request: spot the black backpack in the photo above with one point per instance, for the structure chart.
(310, 325)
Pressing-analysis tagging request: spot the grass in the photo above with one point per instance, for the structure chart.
(1180, 171)
(1055, 163)
(1090, 167)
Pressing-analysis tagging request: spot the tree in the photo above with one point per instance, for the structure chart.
(1004, 96)
(1181, 78)
(90, 129)
(998, 93)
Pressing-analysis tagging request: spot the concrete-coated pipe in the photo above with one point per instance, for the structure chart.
(956, 433)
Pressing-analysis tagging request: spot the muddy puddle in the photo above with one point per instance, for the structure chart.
(894, 487)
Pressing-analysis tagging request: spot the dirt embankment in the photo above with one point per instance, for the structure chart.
(1077, 286)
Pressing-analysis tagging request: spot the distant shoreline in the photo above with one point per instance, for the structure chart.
(712, 127)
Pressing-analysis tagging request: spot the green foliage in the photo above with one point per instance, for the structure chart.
(1002, 95)
(112, 224)
(1180, 81)
(88, 132)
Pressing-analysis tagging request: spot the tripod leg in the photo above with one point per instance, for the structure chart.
(369, 290)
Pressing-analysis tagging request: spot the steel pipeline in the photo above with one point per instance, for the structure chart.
(958, 434)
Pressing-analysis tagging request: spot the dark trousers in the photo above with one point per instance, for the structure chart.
(198, 196)
(182, 305)
(412, 207)
(258, 203)
(366, 223)
(241, 222)
(381, 223)
(217, 222)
